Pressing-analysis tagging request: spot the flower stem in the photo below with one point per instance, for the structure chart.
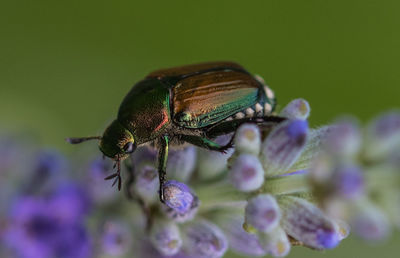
(286, 184)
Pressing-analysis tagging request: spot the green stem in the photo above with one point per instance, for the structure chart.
(286, 184)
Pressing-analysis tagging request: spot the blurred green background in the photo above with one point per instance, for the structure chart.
(66, 65)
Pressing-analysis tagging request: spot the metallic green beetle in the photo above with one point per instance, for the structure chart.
(193, 103)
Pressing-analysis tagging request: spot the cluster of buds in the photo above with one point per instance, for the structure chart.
(256, 199)
(270, 167)
(281, 185)
(356, 176)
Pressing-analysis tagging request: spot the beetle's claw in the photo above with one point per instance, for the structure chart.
(115, 181)
(225, 148)
(111, 176)
(161, 195)
(119, 182)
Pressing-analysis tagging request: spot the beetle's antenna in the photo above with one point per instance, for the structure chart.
(74, 140)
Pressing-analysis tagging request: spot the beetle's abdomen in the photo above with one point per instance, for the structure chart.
(262, 108)
(208, 98)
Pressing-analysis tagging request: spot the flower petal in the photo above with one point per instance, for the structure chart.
(306, 223)
(283, 146)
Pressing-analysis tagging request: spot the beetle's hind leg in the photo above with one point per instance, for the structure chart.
(206, 143)
(232, 125)
(116, 175)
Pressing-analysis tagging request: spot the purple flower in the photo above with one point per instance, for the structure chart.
(370, 222)
(348, 181)
(49, 169)
(263, 213)
(248, 139)
(344, 139)
(99, 188)
(178, 197)
(165, 237)
(39, 228)
(296, 109)
(204, 239)
(181, 163)
(71, 201)
(116, 238)
(211, 164)
(383, 136)
(276, 242)
(147, 184)
(241, 241)
(306, 223)
(283, 146)
(247, 173)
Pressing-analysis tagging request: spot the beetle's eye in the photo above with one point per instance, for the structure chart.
(129, 147)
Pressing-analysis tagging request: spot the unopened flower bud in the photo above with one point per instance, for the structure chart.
(247, 173)
(306, 223)
(248, 139)
(204, 239)
(383, 135)
(296, 109)
(181, 163)
(276, 242)
(165, 237)
(283, 146)
(344, 139)
(178, 196)
(263, 213)
(370, 222)
(348, 181)
(116, 238)
(147, 184)
(241, 241)
(210, 164)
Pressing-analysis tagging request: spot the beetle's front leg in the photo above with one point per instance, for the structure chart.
(162, 164)
(206, 143)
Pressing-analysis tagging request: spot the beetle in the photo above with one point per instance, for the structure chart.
(187, 104)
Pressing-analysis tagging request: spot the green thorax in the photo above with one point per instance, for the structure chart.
(145, 110)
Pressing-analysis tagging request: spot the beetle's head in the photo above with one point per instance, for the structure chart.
(117, 142)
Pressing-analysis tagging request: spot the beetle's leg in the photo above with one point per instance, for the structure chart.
(206, 143)
(116, 175)
(231, 126)
(162, 164)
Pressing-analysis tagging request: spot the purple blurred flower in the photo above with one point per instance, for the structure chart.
(165, 237)
(181, 163)
(348, 181)
(204, 239)
(147, 184)
(116, 238)
(344, 138)
(383, 136)
(48, 227)
(370, 222)
(241, 241)
(99, 188)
